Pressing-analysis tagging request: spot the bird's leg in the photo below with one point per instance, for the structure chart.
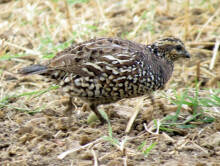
(156, 105)
(152, 99)
(98, 114)
(68, 110)
(153, 104)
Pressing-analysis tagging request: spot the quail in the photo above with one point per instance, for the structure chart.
(105, 70)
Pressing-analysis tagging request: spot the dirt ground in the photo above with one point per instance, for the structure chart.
(34, 128)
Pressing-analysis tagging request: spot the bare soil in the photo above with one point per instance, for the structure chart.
(28, 138)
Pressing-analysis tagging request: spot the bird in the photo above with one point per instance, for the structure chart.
(106, 70)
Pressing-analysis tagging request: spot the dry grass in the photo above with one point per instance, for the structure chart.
(32, 31)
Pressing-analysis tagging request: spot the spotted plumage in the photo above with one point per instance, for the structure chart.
(105, 70)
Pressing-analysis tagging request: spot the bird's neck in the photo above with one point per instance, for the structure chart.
(166, 64)
(168, 69)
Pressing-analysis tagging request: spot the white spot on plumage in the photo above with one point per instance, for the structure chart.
(86, 78)
(115, 88)
(102, 78)
(120, 85)
(112, 58)
(130, 77)
(90, 93)
(111, 77)
(119, 78)
(125, 70)
(61, 83)
(94, 65)
(104, 75)
(91, 87)
(115, 62)
(77, 82)
(115, 72)
(108, 89)
(67, 79)
(112, 69)
(56, 74)
(148, 85)
(126, 54)
(87, 71)
(97, 93)
(152, 77)
(135, 80)
(85, 85)
(111, 85)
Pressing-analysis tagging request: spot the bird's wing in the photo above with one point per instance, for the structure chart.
(94, 55)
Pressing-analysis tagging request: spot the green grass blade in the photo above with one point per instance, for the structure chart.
(148, 149)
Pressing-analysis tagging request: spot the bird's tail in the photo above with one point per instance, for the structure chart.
(33, 69)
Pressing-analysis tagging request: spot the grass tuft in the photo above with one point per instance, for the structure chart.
(110, 138)
(199, 107)
(6, 101)
(146, 149)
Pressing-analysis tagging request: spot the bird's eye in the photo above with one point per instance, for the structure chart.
(178, 47)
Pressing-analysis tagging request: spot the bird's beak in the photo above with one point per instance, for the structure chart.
(187, 55)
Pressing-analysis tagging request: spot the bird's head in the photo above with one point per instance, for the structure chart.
(170, 48)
